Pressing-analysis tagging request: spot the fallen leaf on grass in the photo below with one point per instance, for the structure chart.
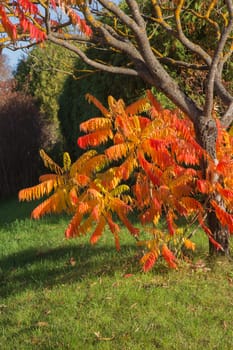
(200, 265)
(47, 312)
(72, 261)
(35, 341)
(133, 305)
(42, 324)
(99, 337)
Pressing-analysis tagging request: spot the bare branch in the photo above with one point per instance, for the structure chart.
(119, 43)
(193, 47)
(230, 7)
(158, 75)
(133, 5)
(213, 69)
(47, 18)
(171, 62)
(227, 118)
(223, 60)
(179, 34)
(110, 6)
(92, 63)
(81, 38)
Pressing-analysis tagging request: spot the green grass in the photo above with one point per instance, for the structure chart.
(58, 294)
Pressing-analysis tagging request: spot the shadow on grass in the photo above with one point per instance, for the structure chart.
(12, 210)
(33, 268)
(15, 213)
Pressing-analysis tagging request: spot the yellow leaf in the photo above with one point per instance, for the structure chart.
(49, 163)
(231, 131)
(66, 161)
(156, 219)
(189, 244)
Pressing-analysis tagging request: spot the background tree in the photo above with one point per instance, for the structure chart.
(5, 73)
(59, 81)
(21, 137)
(144, 60)
(42, 75)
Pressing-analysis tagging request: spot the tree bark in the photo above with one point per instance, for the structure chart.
(206, 133)
(220, 235)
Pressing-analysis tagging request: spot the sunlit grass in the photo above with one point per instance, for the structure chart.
(59, 294)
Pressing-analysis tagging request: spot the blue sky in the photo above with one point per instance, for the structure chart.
(13, 57)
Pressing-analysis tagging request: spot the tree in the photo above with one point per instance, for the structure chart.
(154, 150)
(4, 68)
(42, 75)
(176, 18)
(21, 137)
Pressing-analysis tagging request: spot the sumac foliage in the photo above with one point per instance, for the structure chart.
(30, 20)
(154, 149)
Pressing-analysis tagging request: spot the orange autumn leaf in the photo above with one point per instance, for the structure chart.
(98, 231)
(225, 218)
(204, 186)
(189, 244)
(148, 261)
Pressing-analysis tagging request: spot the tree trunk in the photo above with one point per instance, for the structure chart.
(206, 133)
(220, 234)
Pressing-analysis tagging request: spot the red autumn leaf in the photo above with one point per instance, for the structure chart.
(169, 257)
(170, 224)
(98, 231)
(203, 186)
(28, 6)
(95, 139)
(157, 205)
(225, 218)
(223, 166)
(148, 261)
(148, 168)
(209, 233)
(226, 193)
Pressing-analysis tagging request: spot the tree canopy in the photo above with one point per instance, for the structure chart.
(126, 33)
(137, 31)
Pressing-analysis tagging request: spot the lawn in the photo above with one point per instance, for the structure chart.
(59, 294)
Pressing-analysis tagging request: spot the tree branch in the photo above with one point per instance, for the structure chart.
(119, 43)
(81, 38)
(92, 63)
(227, 118)
(192, 47)
(136, 13)
(213, 69)
(158, 75)
(171, 62)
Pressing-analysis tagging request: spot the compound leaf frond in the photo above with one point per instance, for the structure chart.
(49, 163)
(38, 191)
